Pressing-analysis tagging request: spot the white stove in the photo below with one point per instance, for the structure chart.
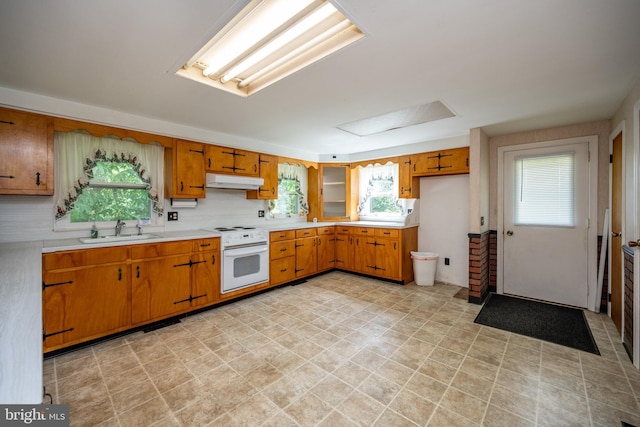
(240, 236)
(245, 255)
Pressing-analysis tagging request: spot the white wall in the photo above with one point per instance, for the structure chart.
(444, 222)
(29, 218)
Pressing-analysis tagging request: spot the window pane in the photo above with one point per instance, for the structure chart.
(544, 191)
(115, 172)
(111, 204)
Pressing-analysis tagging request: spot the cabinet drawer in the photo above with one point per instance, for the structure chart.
(325, 230)
(84, 257)
(212, 244)
(278, 236)
(363, 231)
(387, 232)
(282, 249)
(282, 270)
(153, 250)
(305, 232)
(343, 229)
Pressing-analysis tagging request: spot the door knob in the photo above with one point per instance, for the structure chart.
(614, 234)
(634, 244)
(509, 233)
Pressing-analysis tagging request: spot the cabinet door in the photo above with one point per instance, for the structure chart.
(247, 163)
(326, 252)
(425, 163)
(344, 252)
(364, 254)
(85, 303)
(189, 170)
(388, 258)
(408, 185)
(456, 161)
(306, 256)
(26, 154)
(282, 270)
(335, 192)
(160, 287)
(205, 278)
(218, 159)
(443, 162)
(268, 172)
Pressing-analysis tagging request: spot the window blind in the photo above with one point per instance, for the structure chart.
(545, 190)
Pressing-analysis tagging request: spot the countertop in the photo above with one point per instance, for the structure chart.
(21, 323)
(57, 245)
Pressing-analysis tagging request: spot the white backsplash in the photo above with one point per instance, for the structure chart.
(29, 218)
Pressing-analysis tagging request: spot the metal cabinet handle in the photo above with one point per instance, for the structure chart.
(614, 234)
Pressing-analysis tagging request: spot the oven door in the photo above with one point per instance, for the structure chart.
(244, 267)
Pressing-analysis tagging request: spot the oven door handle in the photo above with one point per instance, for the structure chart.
(246, 251)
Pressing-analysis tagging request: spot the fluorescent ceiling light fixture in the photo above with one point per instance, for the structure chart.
(399, 119)
(267, 41)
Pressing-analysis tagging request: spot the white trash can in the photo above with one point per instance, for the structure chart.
(424, 267)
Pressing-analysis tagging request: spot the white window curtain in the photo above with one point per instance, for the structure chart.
(299, 174)
(76, 154)
(370, 173)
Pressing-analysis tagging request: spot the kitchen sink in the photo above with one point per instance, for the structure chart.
(120, 238)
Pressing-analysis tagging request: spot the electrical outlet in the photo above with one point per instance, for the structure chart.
(260, 214)
(446, 261)
(172, 216)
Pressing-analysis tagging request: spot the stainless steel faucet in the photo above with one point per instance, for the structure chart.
(119, 226)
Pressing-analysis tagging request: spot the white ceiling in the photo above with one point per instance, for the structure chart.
(502, 65)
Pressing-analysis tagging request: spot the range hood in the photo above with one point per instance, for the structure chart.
(235, 182)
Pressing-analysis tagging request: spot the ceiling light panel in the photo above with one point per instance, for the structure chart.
(269, 40)
(398, 119)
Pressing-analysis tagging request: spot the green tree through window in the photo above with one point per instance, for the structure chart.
(115, 191)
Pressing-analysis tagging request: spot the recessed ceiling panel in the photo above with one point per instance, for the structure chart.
(398, 119)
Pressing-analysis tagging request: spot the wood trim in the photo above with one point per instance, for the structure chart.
(68, 125)
(373, 162)
(290, 160)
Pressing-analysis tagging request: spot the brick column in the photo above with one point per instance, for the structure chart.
(479, 266)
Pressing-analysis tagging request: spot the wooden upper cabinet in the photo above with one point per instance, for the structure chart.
(408, 185)
(331, 185)
(185, 171)
(443, 162)
(26, 153)
(269, 172)
(232, 161)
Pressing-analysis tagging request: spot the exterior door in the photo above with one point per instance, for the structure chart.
(616, 233)
(545, 223)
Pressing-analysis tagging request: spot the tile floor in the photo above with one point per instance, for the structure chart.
(342, 350)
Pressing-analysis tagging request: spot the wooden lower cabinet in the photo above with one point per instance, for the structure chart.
(161, 287)
(84, 301)
(186, 277)
(92, 293)
(379, 252)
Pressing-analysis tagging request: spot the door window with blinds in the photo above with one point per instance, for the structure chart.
(545, 190)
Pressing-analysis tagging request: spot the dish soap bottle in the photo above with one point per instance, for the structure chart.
(94, 231)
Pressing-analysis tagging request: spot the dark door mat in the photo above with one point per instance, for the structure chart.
(549, 322)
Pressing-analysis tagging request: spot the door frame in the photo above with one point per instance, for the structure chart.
(636, 222)
(619, 130)
(592, 235)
